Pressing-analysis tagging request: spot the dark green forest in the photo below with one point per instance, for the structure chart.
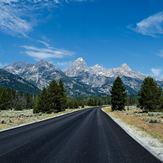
(54, 98)
(11, 99)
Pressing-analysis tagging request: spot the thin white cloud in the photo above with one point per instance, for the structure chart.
(46, 53)
(157, 73)
(63, 65)
(2, 65)
(151, 26)
(45, 43)
(16, 15)
(10, 22)
(160, 53)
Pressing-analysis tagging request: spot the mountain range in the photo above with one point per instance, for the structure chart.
(9, 80)
(79, 79)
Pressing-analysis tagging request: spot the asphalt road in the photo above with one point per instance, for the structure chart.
(87, 136)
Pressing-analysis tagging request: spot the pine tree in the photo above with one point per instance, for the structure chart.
(41, 103)
(29, 101)
(82, 104)
(90, 102)
(76, 105)
(57, 97)
(6, 99)
(118, 95)
(53, 97)
(99, 102)
(36, 108)
(63, 97)
(161, 103)
(11, 99)
(70, 103)
(150, 94)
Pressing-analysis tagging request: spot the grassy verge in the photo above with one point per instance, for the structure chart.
(10, 118)
(151, 123)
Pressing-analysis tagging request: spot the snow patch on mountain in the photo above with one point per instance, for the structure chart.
(79, 78)
(40, 73)
(80, 66)
(77, 67)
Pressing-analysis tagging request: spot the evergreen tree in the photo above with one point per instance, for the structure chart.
(19, 101)
(29, 101)
(82, 104)
(11, 99)
(161, 103)
(90, 102)
(118, 95)
(132, 100)
(41, 103)
(37, 108)
(52, 99)
(6, 99)
(70, 103)
(150, 94)
(76, 105)
(63, 96)
(99, 102)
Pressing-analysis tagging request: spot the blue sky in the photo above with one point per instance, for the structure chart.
(107, 32)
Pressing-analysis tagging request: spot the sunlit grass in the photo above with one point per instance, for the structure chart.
(107, 109)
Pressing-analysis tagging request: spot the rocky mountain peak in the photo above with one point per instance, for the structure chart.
(80, 62)
(79, 74)
(80, 66)
(77, 67)
(97, 70)
(45, 64)
(125, 67)
(80, 59)
(97, 66)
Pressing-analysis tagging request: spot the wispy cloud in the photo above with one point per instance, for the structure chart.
(2, 65)
(45, 43)
(16, 15)
(150, 26)
(160, 54)
(63, 65)
(157, 73)
(46, 53)
(11, 21)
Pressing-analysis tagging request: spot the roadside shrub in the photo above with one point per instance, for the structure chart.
(154, 121)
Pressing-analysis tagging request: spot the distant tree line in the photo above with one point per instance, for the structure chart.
(75, 102)
(11, 99)
(150, 96)
(54, 98)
